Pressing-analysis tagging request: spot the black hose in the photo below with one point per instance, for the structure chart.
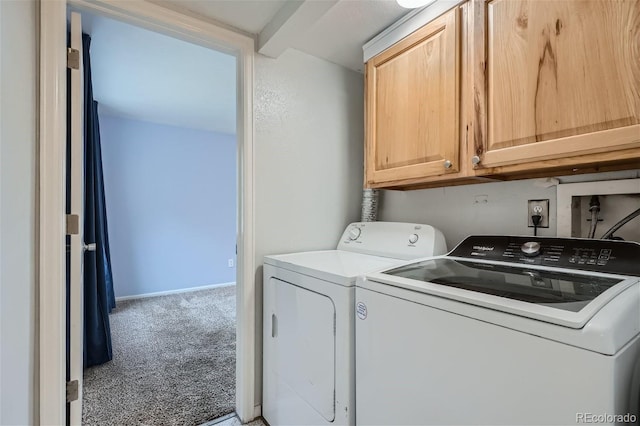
(620, 224)
(594, 208)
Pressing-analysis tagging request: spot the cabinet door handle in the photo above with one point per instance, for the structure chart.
(447, 164)
(475, 160)
(274, 319)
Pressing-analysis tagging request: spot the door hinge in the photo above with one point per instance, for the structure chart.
(73, 58)
(72, 391)
(73, 224)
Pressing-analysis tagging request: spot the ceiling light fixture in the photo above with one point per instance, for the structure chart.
(413, 4)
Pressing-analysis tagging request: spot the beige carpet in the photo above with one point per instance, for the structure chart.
(173, 362)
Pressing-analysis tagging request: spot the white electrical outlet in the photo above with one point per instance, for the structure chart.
(230, 263)
(538, 207)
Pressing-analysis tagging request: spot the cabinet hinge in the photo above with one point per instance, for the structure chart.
(73, 58)
(73, 224)
(72, 391)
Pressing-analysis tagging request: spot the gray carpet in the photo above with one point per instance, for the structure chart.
(173, 362)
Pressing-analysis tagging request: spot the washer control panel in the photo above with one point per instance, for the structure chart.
(608, 256)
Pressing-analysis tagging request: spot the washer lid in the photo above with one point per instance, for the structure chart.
(556, 295)
(610, 321)
(337, 266)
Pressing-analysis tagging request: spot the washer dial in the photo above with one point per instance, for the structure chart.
(531, 248)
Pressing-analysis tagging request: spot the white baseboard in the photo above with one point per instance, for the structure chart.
(182, 290)
(257, 411)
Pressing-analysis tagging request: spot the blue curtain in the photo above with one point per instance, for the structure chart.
(99, 298)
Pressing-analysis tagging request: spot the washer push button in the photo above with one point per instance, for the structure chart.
(604, 254)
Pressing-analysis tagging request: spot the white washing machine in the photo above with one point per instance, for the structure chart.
(502, 330)
(308, 311)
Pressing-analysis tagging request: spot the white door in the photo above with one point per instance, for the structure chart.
(76, 130)
(302, 350)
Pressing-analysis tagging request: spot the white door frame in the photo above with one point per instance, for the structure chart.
(76, 198)
(52, 157)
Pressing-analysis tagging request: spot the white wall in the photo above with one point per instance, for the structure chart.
(459, 211)
(171, 205)
(17, 210)
(308, 159)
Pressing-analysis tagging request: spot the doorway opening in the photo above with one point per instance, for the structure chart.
(52, 168)
(166, 114)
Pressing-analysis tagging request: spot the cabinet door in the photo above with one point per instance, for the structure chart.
(412, 105)
(562, 79)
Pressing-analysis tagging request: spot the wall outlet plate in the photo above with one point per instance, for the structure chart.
(540, 207)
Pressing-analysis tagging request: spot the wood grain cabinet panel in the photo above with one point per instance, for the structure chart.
(412, 105)
(562, 79)
(506, 89)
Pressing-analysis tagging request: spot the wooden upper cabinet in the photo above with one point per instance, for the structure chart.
(562, 79)
(412, 105)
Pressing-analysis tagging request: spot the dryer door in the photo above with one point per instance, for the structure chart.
(303, 338)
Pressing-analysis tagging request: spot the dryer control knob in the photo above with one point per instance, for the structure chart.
(531, 248)
(354, 233)
(413, 238)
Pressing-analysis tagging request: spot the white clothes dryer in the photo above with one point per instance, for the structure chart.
(308, 319)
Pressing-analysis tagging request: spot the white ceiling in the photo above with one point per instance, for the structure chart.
(334, 30)
(148, 76)
(339, 34)
(250, 16)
